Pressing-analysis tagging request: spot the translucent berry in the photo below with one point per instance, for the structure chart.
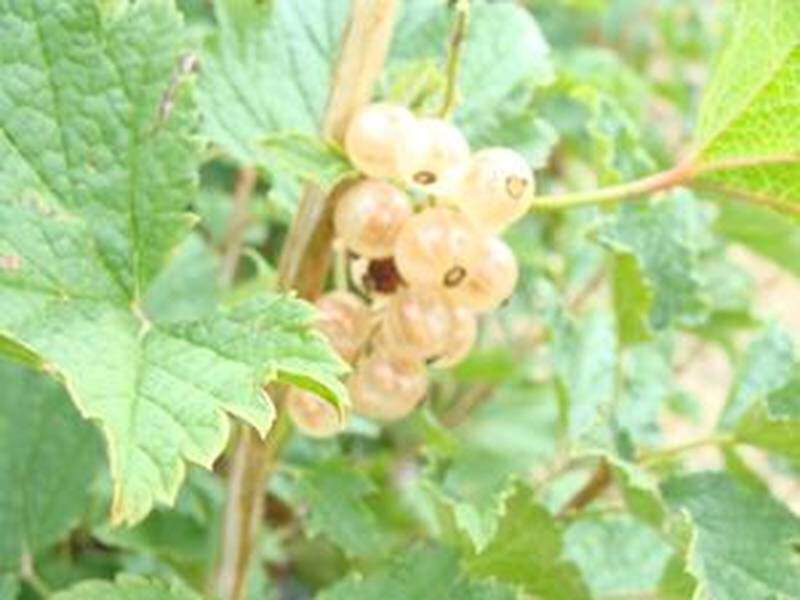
(419, 321)
(313, 415)
(460, 341)
(434, 158)
(436, 247)
(492, 278)
(374, 136)
(344, 319)
(497, 189)
(369, 215)
(387, 386)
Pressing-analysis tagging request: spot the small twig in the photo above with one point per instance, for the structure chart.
(454, 51)
(597, 484)
(240, 219)
(659, 456)
(27, 573)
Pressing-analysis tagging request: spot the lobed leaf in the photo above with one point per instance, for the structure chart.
(747, 142)
(97, 165)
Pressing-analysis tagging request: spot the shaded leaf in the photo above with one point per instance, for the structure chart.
(267, 70)
(43, 495)
(743, 545)
(666, 238)
(308, 158)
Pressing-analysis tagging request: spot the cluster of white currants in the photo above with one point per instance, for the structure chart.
(429, 271)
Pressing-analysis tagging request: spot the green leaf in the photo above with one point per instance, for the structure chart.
(585, 357)
(95, 179)
(94, 119)
(126, 587)
(767, 366)
(502, 440)
(421, 574)
(633, 300)
(746, 135)
(267, 69)
(527, 551)
(308, 158)
(43, 495)
(187, 288)
(666, 238)
(772, 235)
(774, 425)
(632, 561)
(9, 587)
(335, 497)
(744, 545)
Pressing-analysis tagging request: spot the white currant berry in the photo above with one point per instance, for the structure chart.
(460, 341)
(434, 158)
(492, 278)
(436, 247)
(314, 416)
(419, 321)
(374, 137)
(387, 386)
(344, 319)
(369, 216)
(497, 188)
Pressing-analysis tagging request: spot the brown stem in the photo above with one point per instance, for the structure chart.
(234, 238)
(303, 267)
(597, 484)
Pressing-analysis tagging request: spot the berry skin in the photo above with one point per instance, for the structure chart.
(434, 158)
(419, 322)
(436, 248)
(387, 386)
(492, 278)
(497, 189)
(374, 136)
(369, 216)
(314, 416)
(461, 340)
(344, 320)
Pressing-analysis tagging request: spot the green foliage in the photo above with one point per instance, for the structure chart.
(760, 562)
(43, 496)
(126, 587)
(527, 552)
(94, 197)
(746, 132)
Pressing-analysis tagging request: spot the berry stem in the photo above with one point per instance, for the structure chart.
(678, 175)
(303, 267)
(454, 50)
(233, 243)
(684, 173)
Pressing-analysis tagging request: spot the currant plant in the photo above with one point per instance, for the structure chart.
(377, 299)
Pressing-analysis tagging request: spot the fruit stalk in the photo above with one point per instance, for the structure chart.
(303, 267)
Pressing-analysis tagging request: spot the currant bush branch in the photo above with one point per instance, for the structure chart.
(454, 52)
(303, 267)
